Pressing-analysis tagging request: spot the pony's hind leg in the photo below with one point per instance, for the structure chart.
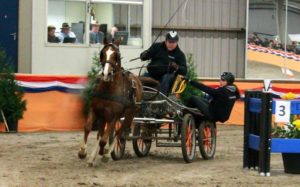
(87, 129)
(129, 115)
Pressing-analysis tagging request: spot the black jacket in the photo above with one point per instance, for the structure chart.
(222, 102)
(53, 39)
(161, 58)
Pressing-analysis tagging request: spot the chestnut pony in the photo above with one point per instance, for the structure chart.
(114, 97)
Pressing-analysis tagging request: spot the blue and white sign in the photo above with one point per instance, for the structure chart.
(282, 111)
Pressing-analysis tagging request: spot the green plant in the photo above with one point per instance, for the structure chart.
(191, 75)
(290, 130)
(92, 78)
(11, 94)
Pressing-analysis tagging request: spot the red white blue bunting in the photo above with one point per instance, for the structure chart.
(274, 51)
(35, 84)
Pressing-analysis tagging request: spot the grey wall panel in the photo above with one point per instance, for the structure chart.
(203, 13)
(242, 13)
(241, 55)
(263, 21)
(218, 45)
(293, 23)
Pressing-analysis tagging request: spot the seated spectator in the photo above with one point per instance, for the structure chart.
(66, 33)
(258, 41)
(96, 36)
(251, 39)
(51, 35)
(291, 47)
(111, 35)
(297, 49)
(266, 42)
(275, 45)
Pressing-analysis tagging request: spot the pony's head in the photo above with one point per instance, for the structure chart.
(110, 59)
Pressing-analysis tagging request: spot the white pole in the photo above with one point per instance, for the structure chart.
(285, 36)
(4, 120)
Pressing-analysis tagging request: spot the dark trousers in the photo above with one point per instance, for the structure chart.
(202, 104)
(166, 83)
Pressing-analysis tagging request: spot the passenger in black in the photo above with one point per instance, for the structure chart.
(219, 106)
(167, 60)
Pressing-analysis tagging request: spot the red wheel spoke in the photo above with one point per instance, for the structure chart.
(189, 135)
(141, 144)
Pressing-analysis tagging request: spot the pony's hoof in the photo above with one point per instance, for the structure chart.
(91, 164)
(82, 154)
(105, 159)
(106, 150)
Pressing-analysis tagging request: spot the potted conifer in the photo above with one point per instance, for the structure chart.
(12, 105)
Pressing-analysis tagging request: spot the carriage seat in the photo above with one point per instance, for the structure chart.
(150, 82)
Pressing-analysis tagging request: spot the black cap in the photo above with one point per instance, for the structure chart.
(172, 36)
(65, 25)
(227, 76)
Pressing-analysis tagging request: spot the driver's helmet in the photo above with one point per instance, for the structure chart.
(172, 36)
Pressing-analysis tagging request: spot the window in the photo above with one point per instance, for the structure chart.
(273, 39)
(111, 19)
(120, 19)
(66, 21)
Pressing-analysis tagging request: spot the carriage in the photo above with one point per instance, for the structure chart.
(166, 122)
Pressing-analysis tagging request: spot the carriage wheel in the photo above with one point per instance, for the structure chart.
(207, 139)
(119, 149)
(188, 138)
(141, 146)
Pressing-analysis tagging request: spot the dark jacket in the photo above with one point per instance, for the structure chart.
(223, 99)
(161, 58)
(53, 39)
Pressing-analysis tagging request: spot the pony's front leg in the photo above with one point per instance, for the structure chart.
(104, 150)
(92, 157)
(87, 129)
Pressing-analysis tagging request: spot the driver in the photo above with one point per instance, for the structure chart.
(167, 60)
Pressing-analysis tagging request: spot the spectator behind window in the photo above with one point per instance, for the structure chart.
(51, 35)
(66, 33)
(111, 35)
(96, 36)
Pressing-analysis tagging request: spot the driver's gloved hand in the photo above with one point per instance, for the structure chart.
(187, 79)
(174, 66)
(145, 55)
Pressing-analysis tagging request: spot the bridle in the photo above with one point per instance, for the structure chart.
(114, 64)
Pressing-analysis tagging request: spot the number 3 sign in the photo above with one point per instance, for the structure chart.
(282, 111)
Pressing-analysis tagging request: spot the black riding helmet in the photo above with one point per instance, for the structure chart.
(227, 76)
(172, 36)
